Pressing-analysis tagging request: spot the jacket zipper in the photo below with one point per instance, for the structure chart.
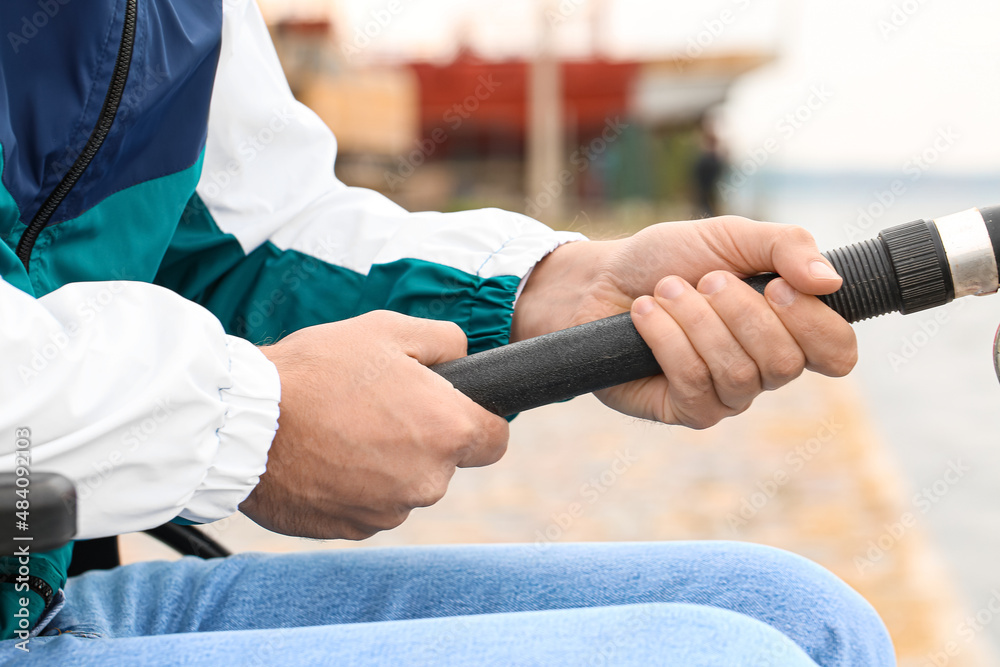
(100, 132)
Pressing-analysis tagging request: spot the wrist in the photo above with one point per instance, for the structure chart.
(256, 505)
(561, 289)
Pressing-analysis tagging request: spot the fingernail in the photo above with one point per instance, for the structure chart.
(712, 283)
(781, 293)
(644, 305)
(822, 271)
(670, 288)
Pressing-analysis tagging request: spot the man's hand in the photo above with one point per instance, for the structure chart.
(367, 432)
(719, 342)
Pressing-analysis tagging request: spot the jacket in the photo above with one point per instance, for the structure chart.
(166, 205)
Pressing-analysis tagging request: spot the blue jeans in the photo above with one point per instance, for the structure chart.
(681, 603)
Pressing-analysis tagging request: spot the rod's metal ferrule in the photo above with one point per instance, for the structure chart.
(970, 254)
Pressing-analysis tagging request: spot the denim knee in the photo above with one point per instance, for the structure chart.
(802, 599)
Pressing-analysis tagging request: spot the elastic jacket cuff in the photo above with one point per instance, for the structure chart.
(244, 439)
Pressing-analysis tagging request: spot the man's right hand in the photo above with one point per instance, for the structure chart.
(367, 432)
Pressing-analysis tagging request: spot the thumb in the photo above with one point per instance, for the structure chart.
(428, 341)
(790, 251)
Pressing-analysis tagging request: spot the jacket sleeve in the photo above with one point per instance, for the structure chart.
(139, 397)
(273, 242)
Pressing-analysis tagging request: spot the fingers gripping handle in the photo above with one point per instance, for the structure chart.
(901, 270)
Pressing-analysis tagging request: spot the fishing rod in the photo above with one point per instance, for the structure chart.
(907, 268)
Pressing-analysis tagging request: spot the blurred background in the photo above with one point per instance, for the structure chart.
(604, 116)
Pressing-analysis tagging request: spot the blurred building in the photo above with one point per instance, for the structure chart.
(451, 135)
(374, 111)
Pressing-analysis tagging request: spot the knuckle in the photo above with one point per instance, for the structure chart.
(843, 363)
(786, 367)
(732, 411)
(701, 420)
(691, 407)
(401, 510)
(727, 221)
(698, 318)
(742, 374)
(841, 355)
(393, 519)
(453, 329)
(497, 432)
(493, 449)
(384, 318)
(445, 328)
(765, 325)
(452, 335)
(356, 533)
(467, 433)
(498, 452)
(797, 235)
(696, 379)
(431, 490)
(810, 329)
(434, 495)
(484, 442)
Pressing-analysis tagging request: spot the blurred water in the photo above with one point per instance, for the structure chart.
(928, 378)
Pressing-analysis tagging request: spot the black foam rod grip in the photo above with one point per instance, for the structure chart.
(554, 367)
(558, 366)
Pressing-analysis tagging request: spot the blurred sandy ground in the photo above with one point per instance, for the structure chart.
(802, 470)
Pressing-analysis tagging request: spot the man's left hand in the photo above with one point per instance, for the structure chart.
(718, 341)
